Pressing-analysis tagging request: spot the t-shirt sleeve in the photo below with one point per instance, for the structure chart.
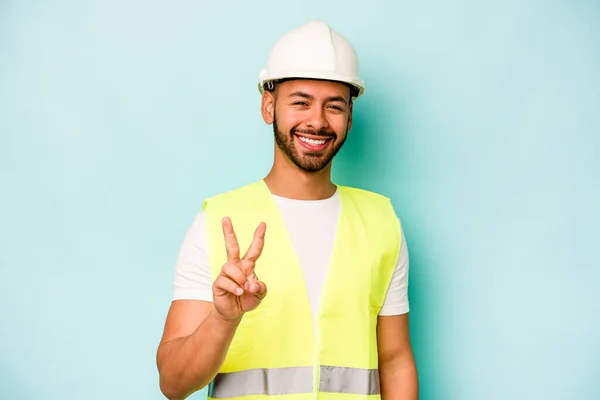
(193, 279)
(396, 300)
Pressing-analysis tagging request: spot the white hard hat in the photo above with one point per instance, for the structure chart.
(313, 51)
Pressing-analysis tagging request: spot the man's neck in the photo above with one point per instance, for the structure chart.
(293, 183)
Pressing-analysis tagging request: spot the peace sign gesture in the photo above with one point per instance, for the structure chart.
(237, 289)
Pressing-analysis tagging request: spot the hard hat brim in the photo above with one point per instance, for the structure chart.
(355, 82)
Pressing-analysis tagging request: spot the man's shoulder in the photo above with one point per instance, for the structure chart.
(377, 204)
(232, 192)
(365, 194)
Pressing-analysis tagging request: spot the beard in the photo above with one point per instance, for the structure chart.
(309, 161)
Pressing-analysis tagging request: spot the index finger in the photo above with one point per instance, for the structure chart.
(231, 243)
(258, 242)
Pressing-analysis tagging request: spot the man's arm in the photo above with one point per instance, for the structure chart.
(397, 368)
(193, 347)
(195, 340)
(398, 373)
(198, 333)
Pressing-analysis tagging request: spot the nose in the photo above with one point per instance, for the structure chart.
(317, 119)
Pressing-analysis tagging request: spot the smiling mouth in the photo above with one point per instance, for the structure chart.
(313, 144)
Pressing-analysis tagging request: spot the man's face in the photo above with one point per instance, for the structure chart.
(310, 120)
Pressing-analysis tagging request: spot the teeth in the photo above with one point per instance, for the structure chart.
(312, 142)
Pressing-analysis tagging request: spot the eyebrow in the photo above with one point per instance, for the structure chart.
(310, 97)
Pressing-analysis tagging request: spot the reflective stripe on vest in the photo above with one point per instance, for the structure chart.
(349, 380)
(295, 380)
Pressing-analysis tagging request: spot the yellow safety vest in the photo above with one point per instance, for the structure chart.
(277, 349)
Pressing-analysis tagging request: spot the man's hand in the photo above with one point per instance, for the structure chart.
(237, 289)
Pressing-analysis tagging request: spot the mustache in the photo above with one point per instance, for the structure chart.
(321, 132)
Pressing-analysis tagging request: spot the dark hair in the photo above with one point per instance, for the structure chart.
(270, 86)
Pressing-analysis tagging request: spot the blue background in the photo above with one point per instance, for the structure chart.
(480, 120)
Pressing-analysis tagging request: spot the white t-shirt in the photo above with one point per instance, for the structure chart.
(312, 227)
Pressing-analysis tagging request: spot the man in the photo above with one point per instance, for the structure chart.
(333, 322)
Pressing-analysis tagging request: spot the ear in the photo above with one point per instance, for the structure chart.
(350, 116)
(268, 107)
